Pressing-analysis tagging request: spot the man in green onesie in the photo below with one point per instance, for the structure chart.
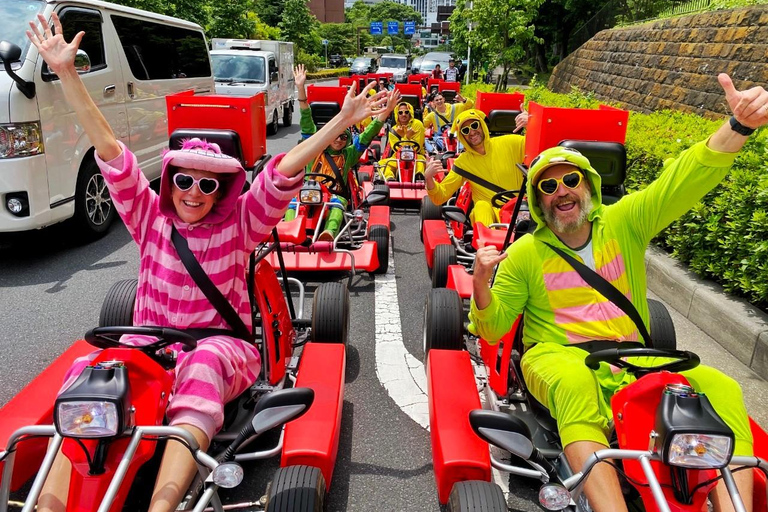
(337, 160)
(561, 310)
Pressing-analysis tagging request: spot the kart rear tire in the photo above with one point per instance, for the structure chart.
(476, 496)
(443, 257)
(296, 489)
(117, 308)
(428, 211)
(662, 328)
(380, 234)
(330, 314)
(443, 313)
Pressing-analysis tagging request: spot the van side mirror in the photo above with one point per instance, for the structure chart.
(82, 62)
(10, 52)
(274, 77)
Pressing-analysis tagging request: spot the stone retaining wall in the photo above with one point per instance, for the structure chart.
(671, 63)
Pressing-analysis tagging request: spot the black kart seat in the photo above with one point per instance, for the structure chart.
(324, 111)
(228, 140)
(449, 95)
(609, 159)
(501, 121)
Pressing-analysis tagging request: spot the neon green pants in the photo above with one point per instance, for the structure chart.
(579, 398)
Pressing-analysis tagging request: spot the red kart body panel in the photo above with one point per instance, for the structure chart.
(548, 126)
(457, 453)
(487, 101)
(292, 231)
(242, 114)
(434, 233)
(346, 81)
(406, 191)
(489, 236)
(33, 405)
(459, 280)
(378, 216)
(150, 388)
(433, 84)
(448, 86)
(320, 256)
(313, 439)
(497, 361)
(419, 78)
(760, 437)
(634, 412)
(330, 94)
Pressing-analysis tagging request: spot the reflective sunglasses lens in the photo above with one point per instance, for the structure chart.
(183, 181)
(548, 186)
(403, 113)
(572, 179)
(208, 185)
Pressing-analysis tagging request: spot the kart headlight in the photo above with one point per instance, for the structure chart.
(407, 155)
(228, 475)
(699, 451)
(20, 139)
(554, 496)
(97, 404)
(310, 196)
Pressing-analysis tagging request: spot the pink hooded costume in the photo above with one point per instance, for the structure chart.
(221, 367)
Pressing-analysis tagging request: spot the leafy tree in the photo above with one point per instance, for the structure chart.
(270, 11)
(393, 11)
(340, 36)
(262, 30)
(299, 25)
(359, 14)
(231, 19)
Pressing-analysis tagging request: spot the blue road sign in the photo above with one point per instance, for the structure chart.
(377, 28)
(325, 41)
(409, 28)
(393, 27)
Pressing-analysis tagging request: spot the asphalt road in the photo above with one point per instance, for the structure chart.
(52, 287)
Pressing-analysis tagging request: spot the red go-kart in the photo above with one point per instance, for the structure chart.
(409, 185)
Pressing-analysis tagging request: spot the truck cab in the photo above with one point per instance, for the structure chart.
(244, 67)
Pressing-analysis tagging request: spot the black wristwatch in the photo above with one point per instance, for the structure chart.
(740, 128)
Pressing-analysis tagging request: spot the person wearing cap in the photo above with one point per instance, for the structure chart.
(441, 118)
(344, 152)
(492, 159)
(562, 312)
(405, 129)
(200, 197)
(452, 73)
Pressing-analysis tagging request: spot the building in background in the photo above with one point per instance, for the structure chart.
(328, 11)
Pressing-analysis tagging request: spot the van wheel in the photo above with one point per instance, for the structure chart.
(274, 125)
(288, 114)
(94, 211)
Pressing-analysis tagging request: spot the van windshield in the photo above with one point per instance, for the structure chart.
(393, 62)
(16, 14)
(238, 68)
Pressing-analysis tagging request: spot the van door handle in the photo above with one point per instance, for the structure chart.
(109, 90)
(130, 90)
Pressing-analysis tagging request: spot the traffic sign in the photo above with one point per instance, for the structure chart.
(409, 28)
(377, 28)
(325, 42)
(393, 27)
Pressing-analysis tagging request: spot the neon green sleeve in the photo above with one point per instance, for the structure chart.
(306, 123)
(682, 183)
(352, 153)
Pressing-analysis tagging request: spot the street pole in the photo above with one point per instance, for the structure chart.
(326, 55)
(469, 51)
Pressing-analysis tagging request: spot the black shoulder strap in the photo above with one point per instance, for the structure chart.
(341, 181)
(476, 179)
(443, 118)
(393, 132)
(211, 292)
(606, 289)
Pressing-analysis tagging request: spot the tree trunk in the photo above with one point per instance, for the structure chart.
(541, 65)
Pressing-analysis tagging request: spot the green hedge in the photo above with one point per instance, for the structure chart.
(725, 236)
(328, 73)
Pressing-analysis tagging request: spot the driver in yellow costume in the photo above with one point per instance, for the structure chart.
(406, 129)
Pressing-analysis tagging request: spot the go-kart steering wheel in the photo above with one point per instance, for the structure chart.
(109, 337)
(499, 199)
(684, 360)
(325, 180)
(415, 145)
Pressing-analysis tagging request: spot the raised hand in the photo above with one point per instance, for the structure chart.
(393, 98)
(300, 75)
(486, 259)
(749, 107)
(59, 55)
(521, 121)
(358, 107)
(433, 167)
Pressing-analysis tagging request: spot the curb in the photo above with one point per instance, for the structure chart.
(734, 323)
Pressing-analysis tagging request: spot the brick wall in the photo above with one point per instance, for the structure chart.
(671, 63)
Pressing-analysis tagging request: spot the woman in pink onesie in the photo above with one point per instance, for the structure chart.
(199, 195)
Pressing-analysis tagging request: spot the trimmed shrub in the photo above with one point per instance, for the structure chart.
(328, 73)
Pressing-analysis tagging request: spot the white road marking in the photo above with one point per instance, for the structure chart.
(402, 375)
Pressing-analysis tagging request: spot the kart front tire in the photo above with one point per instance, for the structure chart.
(330, 314)
(380, 234)
(662, 328)
(444, 256)
(428, 211)
(443, 313)
(117, 308)
(476, 496)
(296, 489)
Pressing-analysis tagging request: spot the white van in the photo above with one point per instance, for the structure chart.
(135, 58)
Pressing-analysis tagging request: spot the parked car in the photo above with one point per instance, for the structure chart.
(336, 60)
(363, 65)
(432, 59)
(130, 61)
(416, 65)
(397, 64)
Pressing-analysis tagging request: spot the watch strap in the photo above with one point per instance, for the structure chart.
(740, 128)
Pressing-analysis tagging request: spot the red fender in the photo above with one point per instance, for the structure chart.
(434, 233)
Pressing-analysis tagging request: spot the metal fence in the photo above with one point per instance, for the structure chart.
(623, 12)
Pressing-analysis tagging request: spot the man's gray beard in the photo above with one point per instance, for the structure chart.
(585, 208)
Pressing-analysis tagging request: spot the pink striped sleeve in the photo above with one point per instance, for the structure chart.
(265, 203)
(134, 200)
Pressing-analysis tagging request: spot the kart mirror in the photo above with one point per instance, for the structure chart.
(281, 407)
(503, 430)
(454, 213)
